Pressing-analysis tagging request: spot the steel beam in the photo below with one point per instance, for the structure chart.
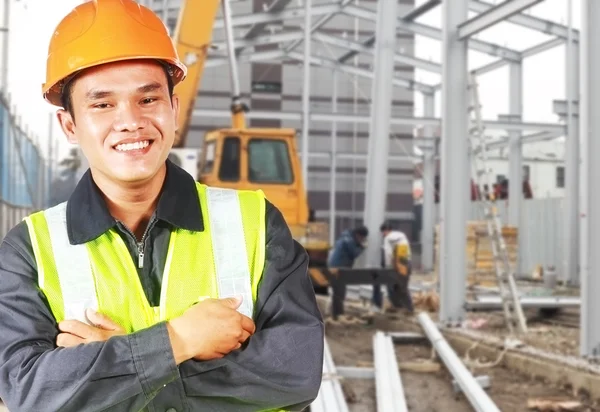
(281, 15)
(320, 23)
(530, 22)
(275, 7)
(590, 169)
(434, 33)
(421, 10)
(428, 230)
(376, 182)
(361, 48)
(247, 58)
(399, 120)
(262, 40)
(493, 16)
(388, 383)
(305, 89)
(455, 169)
(570, 271)
(478, 398)
(560, 108)
(532, 51)
(346, 68)
(333, 169)
(331, 396)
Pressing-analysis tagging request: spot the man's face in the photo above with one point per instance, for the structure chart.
(124, 119)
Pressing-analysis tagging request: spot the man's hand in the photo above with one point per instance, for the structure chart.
(75, 332)
(209, 330)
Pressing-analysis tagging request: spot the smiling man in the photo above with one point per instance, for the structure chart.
(147, 290)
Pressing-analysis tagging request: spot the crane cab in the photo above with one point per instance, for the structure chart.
(254, 158)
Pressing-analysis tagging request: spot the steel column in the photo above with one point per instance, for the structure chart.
(515, 157)
(590, 168)
(333, 170)
(454, 164)
(515, 172)
(379, 131)
(306, 92)
(5, 48)
(570, 272)
(427, 238)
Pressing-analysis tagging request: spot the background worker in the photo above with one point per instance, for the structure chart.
(349, 246)
(396, 254)
(134, 215)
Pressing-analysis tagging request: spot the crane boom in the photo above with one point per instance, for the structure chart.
(192, 38)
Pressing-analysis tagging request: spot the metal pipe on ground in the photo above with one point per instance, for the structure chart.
(331, 397)
(480, 400)
(388, 384)
(487, 302)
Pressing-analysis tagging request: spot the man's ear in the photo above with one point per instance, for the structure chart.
(175, 104)
(67, 125)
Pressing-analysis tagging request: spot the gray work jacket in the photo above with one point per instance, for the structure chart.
(281, 367)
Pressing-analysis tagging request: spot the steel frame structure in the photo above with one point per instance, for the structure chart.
(455, 35)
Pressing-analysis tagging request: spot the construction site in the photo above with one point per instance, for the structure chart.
(468, 125)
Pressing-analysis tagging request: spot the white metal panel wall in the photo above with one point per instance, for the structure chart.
(541, 231)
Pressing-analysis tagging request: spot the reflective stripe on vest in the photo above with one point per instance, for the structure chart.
(233, 275)
(225, 259)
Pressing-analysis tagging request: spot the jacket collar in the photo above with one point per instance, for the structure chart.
(178, 204)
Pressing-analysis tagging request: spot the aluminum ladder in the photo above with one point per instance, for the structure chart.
(511, 304)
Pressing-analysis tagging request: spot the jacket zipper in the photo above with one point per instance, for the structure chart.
(141, 243)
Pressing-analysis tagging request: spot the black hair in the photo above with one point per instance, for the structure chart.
(361, 231)
(67, 88)
(386, 226)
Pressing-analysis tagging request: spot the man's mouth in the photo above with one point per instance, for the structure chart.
(128, 147)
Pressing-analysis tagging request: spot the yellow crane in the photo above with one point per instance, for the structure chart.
(244, 157)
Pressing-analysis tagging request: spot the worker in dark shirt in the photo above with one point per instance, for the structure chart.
(349, 246)
(148, 290)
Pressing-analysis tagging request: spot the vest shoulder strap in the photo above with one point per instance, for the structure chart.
(72, 265)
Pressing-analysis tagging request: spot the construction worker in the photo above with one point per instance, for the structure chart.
(395, 253)
(347, 249)
(89, 321)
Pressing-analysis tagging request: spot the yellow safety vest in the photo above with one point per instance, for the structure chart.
(101, 273)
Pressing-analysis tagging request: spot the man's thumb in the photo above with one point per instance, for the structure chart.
(101, 321)
(233, 302)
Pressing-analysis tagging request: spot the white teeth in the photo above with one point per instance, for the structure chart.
(132, 146)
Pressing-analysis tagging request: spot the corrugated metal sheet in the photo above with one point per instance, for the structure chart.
(540, 234)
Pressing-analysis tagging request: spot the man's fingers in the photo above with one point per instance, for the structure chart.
(102, 321)
(244, 337)
(76, 328)
(66, 340)
(248, 324)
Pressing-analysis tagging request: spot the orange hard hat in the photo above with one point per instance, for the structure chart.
(104, 31)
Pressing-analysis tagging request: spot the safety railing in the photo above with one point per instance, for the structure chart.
(24, 173)
(10, 216)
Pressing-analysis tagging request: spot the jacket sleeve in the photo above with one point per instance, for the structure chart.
(122, 374)
(281, 366)
(353, 248)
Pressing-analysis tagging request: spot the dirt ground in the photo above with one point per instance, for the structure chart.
(555, 333)
(351, 345)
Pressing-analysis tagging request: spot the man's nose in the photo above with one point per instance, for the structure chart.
(129, 119)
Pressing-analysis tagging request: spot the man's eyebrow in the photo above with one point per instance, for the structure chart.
(150, 87)
(96, 94)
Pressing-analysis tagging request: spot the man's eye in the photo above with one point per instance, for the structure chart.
(148, 100)
(101, 105)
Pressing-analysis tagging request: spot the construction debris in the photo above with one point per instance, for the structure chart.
(554, 405)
